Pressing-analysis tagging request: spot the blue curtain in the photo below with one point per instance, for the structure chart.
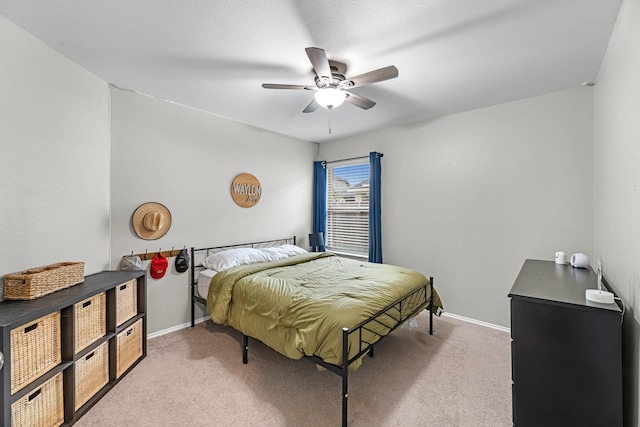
(375, 208)
(320, 199)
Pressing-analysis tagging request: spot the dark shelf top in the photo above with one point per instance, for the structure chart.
(15, 313)
(555, 283)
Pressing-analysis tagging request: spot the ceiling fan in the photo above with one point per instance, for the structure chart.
(331, 86)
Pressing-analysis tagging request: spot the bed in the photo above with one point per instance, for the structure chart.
(315, 305)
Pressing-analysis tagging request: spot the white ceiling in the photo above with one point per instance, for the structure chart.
(452, 55)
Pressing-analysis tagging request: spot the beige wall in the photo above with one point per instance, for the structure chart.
(617, 185)
(468, 197)
(54, 158)
(186, 160)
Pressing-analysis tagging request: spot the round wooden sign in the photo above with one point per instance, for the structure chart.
(246, 190)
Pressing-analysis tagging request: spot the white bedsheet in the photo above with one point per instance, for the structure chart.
(204, 278)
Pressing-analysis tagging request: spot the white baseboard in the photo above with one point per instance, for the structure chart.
(454, 316)
(477, 322)
(175, 328)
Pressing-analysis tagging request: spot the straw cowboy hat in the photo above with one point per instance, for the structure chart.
(151, 221)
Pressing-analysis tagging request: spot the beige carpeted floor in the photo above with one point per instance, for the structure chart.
(460, 376)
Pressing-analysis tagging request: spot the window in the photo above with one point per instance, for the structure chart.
(348, 208)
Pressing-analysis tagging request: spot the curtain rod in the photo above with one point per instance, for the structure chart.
(351, 158)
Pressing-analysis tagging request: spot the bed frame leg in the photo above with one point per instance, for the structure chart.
(371, 351)
(431, 307)
(193, 320)
(344, 401)
(245, 349)
(193, 280)
(345, 374)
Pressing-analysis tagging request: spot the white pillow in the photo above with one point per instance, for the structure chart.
(292, 250)
(273, 254)
(233, 257)
(283, 251)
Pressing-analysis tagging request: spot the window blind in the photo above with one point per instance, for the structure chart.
(348, 207)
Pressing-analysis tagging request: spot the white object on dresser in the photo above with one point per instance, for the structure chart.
(598, 295)
(561, 258)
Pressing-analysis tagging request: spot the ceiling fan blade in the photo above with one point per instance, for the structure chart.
(279, 86)
(313, 106)
(375, 76)
(320, 62)
(359, 101)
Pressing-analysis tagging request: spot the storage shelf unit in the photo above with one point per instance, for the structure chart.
(90, 366)
(566, 351)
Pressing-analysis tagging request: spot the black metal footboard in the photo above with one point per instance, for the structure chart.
(398, 312)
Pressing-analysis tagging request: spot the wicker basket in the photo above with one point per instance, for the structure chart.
(92, 373)
(42, 407)
(129, 347)
(35, 349)
(34, 283)
(90, 323)
(126, 301)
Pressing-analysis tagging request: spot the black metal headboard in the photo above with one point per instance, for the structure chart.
(201, 253)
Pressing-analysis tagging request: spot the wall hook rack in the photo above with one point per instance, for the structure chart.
(168, 254)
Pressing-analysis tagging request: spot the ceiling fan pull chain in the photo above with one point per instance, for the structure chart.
(329, 122)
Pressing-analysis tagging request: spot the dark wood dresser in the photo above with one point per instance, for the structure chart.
(566, 351)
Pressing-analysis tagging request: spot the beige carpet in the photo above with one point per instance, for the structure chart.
(460, 376)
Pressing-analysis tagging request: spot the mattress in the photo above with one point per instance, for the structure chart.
(204, 279)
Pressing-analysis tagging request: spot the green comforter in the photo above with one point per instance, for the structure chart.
(299, 305)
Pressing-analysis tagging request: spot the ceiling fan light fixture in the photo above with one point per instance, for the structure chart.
(330, 97)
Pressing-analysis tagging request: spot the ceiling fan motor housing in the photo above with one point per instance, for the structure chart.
(339, 81)
(338, 70)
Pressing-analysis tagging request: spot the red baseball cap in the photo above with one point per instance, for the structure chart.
(159, 266)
